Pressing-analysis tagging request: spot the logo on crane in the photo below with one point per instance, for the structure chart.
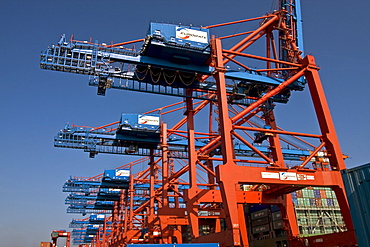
(191, 35)
(151, 120)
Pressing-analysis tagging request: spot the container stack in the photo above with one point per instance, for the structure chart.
(317, 211)
(315, 197)
(260, 221)
(266, 225)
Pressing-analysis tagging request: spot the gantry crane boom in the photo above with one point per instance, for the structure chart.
(104, 64)
(107, 142)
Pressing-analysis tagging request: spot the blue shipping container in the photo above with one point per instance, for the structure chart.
(274, 208)
(330, 202)
(317, 193)
(257, 207)
(357, 184)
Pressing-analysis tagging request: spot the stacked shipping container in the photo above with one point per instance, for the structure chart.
(357, 183)
(315, 197)
(317, 211)
(266, 226)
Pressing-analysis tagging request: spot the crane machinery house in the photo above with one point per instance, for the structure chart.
(179, 44)
(187, 46)
(138, 131)
(116, 178)
(97, 218)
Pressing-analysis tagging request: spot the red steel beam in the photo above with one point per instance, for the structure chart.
(236, 22)
(281, 132)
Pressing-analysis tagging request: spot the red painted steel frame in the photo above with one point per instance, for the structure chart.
(229, 175)
(62, 234)
(223, 194)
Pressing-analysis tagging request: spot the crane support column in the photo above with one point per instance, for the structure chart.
(323, 114)
(329, 134)
(190, 195)
(151, 213)
(227, 185)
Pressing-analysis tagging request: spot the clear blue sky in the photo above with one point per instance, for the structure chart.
(35, 104)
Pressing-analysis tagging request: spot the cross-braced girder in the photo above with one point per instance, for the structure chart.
(228, 137)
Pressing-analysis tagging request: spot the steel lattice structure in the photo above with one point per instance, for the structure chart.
(240, 146)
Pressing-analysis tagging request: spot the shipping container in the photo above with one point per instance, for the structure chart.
(257, 207)
(300, 202)
(307, 202)
(277, 216)
(299, 193)
(333, 195)
(323, 193)
(328, 221)
(278, 224)
(311, 193)
(259, 229)
(274, 208)
(260, 214)
(260, 221)
(357, 184)
(302, 220)
(329, 193)
(328, 230)
(316, 193)
(295, 201)
(324, 202)
(305, 193)
(315, 208)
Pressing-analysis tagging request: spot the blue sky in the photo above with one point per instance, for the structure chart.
(35, 104)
